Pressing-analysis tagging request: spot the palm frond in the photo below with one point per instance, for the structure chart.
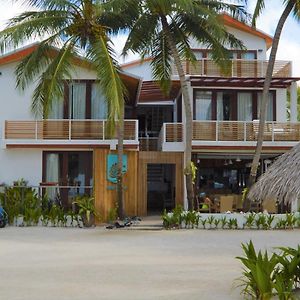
(260, 5)
(50, 84)
(101, 54)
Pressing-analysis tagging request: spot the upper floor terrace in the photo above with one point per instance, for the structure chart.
(240, 68)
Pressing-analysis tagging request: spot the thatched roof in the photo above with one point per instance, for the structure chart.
(281, 181)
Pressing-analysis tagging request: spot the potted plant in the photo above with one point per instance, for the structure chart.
(87, 210)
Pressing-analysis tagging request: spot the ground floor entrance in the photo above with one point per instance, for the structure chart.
(160, 187)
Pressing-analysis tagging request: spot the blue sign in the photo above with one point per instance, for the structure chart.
(112, 167)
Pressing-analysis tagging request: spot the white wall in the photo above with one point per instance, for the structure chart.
(21, 163)
(250, 41)
(142, 70)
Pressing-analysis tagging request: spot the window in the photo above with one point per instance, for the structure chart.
(56, 110)
(77, 101)
(98, 103)
(245, 112)
(203, 105)
(225, 106)
(270, 109)
(248, 55)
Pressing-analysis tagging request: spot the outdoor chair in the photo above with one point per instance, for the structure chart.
(226, 203)
(270, 206)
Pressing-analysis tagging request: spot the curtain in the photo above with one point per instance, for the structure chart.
(56, 110)
(77, 103)
(203, 105)
(220, 107)
(52, 173)
(244, 107)
(269, 116)
(98, 103)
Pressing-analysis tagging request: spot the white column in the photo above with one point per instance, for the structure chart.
(293, 92)
(295, 205)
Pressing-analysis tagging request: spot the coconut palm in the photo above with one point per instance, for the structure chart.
(74, 27)
(290, 6)
(162, 30)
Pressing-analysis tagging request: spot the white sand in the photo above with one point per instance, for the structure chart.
(57, 263)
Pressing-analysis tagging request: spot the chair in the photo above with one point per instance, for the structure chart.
(226, 203)
(270, 206)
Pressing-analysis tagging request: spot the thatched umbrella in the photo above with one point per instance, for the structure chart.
(281, 181)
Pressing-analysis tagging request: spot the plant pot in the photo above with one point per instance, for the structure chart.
(90, 222)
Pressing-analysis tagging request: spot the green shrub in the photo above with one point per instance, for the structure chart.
(265, 276)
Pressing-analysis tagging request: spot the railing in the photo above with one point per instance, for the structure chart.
(237, 68)
(67, 130)
(233, 131)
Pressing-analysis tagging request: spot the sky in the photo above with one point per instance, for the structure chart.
(289, 47)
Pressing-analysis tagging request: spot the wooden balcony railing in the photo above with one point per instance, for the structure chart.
(67, 130)
(233, 131)
(237, 68)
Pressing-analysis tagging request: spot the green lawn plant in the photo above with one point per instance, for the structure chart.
(217, 222)
(267, 276)
(86, 209)
(210, 220)
(250, 218)
(223, 222)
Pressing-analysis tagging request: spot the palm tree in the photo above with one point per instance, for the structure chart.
(162, 30)
(74, 27)
(290, 6)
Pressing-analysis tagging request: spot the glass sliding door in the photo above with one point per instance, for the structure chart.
(98, 103)
(56, 110)
(203, 106)
(77, 101)
(245, 110)
(225, 106)
(72, 170)
(270, 109)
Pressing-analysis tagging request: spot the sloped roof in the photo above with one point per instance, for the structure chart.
(130, 81)
(151, 92)
(228, 21)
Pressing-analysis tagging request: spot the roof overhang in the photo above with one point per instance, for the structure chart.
(234, 23)
(241, 82)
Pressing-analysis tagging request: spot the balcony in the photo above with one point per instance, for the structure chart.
(67, 132)
(240, 68)
(229, 133)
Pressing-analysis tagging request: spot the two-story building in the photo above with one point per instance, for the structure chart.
(73, 150)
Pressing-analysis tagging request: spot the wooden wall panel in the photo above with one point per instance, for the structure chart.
(152, 157)
(105, 198)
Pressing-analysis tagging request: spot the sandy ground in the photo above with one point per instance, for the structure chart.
(65, 263)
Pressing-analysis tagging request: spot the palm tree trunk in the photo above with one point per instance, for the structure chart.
(188, 113)
(264, 102)
(120, 195)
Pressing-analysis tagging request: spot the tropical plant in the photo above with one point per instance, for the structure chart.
(203, 222)
(75, 27)
(87, 211)
(290, 6)
(250, 218)
(166, 39)
(210, 220)
(265, 276)
(269, 221)
(223, 222)
(281, 223)
(291, 220)
(260, 221)
(217, 222)
(258, 271)
(232, 223)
